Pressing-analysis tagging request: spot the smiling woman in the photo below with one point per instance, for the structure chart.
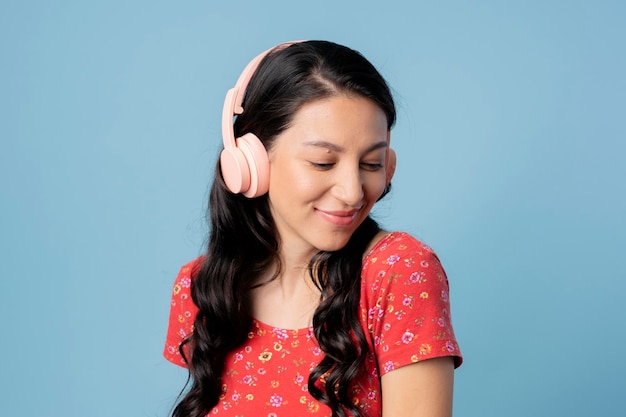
(302, 304)
(327, 173)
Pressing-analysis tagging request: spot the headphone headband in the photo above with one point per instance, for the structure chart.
(234, 97)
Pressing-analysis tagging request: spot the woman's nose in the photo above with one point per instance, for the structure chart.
(349, 186)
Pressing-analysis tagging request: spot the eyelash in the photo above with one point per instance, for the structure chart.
(323, 167)
(367, 166)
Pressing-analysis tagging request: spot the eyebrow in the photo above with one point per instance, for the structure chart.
(336, 148)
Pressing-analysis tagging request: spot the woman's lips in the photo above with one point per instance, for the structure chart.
(340, 218)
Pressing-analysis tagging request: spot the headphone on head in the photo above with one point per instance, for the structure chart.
(244, 161)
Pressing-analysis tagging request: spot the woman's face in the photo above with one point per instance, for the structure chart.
(326, 172)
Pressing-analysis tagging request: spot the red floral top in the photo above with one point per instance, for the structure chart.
(404, 309)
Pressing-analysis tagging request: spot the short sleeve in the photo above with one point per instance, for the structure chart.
(183, 312)
(406, 307)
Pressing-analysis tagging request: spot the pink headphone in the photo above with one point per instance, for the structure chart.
(244, 160)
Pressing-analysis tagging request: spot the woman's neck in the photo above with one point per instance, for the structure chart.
(286, 297)
(288, 301)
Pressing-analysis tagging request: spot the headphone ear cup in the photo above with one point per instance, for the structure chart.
(235, 171)
(258, 165)
(390, 167)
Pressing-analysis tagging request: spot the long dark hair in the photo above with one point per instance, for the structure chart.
(243, 241)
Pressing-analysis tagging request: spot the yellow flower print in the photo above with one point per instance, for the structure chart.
(177, 289)
(265, 356)
(425, 349)
(249, 397)
(441, 335)
(181, 318)
(274, 383)
(323, 377)
(414, 358)
(313, 407)
(424, 295)
(223, 394)
(303, 399)
(278, 347)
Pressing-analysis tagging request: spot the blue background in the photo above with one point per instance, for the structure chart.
(511, 143)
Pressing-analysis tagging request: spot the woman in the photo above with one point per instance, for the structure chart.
(302, 305)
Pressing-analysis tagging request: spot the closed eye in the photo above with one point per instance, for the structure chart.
(371, 166)
(368, 166)
(321, 166)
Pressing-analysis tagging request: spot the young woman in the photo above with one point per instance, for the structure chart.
(302, 305)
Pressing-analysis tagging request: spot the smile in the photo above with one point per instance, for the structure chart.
(340, 218)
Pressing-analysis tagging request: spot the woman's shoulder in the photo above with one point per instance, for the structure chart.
(397, 241)
(182, 284)
(401, 256)
(191, 268)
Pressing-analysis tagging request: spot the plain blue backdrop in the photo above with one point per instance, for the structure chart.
(511, 142)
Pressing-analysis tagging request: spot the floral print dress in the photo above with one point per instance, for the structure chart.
(404, 310)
